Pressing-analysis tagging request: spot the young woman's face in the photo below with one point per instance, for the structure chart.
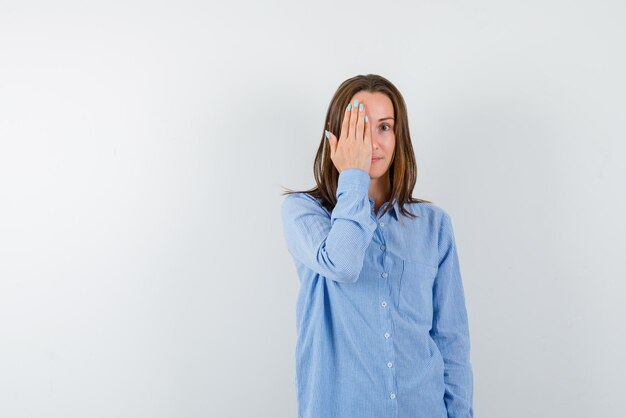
(379, 111)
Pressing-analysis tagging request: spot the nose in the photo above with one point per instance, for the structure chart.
(374, 142)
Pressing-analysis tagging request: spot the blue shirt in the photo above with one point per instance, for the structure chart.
(382, 328)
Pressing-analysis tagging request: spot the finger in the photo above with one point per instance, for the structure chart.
(368, 131)
(360, 123)
(332, 142)
(346, 121)
(353, 117)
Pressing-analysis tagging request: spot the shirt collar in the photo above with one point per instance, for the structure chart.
(395, 210)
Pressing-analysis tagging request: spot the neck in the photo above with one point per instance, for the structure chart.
(380, 190)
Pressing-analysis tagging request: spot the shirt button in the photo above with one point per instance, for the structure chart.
(384, 274)
(392, 395)
(387, 335)
(381, 223)
(382, 248)
(389, 365)
(383, 304)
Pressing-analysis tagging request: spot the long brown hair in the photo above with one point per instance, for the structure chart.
(403, 169)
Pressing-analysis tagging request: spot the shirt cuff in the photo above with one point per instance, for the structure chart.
(353, 179)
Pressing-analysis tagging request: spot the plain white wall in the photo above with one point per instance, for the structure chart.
(143, 148)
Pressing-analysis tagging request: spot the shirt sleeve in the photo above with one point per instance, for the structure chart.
(450, 329)
(333, 246)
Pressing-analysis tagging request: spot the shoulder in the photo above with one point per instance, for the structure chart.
(300, 198)
(430, 211)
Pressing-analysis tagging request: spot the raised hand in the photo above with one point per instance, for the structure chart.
(353, 149)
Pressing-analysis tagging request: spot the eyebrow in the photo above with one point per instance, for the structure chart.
(388, 117)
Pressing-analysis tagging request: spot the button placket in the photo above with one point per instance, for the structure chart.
(384, 293)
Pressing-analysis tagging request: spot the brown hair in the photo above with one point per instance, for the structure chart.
(403, 169)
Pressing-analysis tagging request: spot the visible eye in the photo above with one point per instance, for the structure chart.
(387, 126)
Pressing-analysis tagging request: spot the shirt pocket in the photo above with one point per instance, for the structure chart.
(415, 300)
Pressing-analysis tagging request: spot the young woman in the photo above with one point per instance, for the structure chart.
(382, 328)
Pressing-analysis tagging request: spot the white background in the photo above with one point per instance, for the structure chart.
(143, 146)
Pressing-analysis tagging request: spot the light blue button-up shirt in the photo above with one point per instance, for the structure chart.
(382, 328)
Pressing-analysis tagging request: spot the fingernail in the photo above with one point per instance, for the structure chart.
(356, 102)
(361, 107)
(327, 134)
(366, 118)
(349, 106)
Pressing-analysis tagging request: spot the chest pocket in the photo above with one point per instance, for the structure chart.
(415, 301)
